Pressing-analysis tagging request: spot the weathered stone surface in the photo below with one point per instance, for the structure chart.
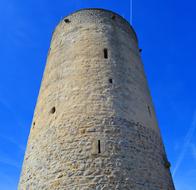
(94, 126)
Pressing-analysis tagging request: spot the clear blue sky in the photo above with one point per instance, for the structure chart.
(167, 35)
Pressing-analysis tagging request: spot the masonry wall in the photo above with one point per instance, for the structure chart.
(94, 126)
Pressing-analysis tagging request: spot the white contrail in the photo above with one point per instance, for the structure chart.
(186, 144)
(131, 12)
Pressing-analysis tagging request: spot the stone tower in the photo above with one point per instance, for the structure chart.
(94, 126)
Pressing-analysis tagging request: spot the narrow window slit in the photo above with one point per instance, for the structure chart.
(167, 164)
(105, 53)
(110, 81)
(53, 110)
(67, 20)
(33, 125)
(113, 17)
(149, 111)
(99, 146)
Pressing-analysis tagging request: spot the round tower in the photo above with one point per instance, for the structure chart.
(94, 126)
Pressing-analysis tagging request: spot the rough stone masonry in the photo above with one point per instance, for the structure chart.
(94, 126)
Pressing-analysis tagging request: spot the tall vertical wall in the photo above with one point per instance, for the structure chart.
(94, 126)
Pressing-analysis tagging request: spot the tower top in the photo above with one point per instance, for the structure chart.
(95, 14)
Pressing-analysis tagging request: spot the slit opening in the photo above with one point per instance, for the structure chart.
(105, 53)
(99, 146)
